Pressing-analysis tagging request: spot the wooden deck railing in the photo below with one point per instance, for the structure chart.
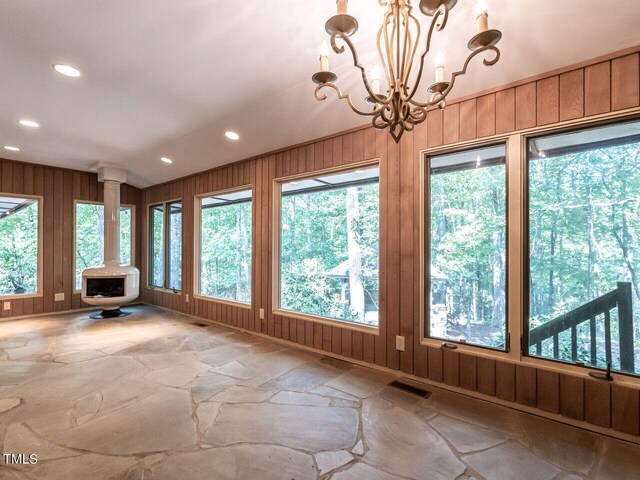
(620, 298)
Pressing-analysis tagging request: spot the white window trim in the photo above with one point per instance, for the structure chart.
(148, 286)
(516, 248)
(197, 227)
(275, 281)
(39, 277)
(75, 227)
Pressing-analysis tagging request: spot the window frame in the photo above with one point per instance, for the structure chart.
(275, 264)
(39, 277)
(133, 234)
(571, 127)
(425, 243)
(197, 232)
(165, 234)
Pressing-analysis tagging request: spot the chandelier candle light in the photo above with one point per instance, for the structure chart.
(398, 41)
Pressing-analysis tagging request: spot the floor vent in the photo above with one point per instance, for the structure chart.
(201, 325)
(421, 392)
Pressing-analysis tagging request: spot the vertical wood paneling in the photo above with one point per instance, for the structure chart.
(451, 367)
(625, 403)
(468, 372)
(548, 391)
(506, 110)
(434, 127)
(486, 115)
(572, 95)
(435, 366)
(526, 385)
(597, 89)
(597, 402)
(625, 82)
(407, 255)
(572, 397)
(548, 100)
(526, 106)
(506, 381)
(451, 124)
(468, 120)
(487, 376)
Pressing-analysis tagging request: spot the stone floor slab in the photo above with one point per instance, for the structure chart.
(509, 461)
(157, 423)
(264, 462)
(308, 428)
(464, 436)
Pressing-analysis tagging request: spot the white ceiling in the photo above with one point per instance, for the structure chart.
(167, 77)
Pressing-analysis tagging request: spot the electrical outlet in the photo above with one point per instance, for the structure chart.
(186, 297)
(399, 343)
(262, 314)
(7, 305)
(59, 297)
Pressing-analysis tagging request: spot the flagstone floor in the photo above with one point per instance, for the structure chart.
(154, 396)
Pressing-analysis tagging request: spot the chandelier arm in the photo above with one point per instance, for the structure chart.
(381, 56)
(435, 26)
(413, 50)
(323, 96)
(356, 63)
(389, 46)
(438, 97)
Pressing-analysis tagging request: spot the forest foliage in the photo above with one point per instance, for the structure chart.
(90, 237)
(19, 251)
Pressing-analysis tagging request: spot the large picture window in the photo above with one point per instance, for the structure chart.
(165, 246)
(19, 245)
(329, 246)
(225, 246)
(90, 237)
(466, 244)
(584, 256)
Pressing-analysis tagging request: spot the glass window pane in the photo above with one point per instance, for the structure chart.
(467, 247)
(225, 248)
(90, 237)
(156, 250)
(174, 258)
(584, 263)
(126, 229)
(18, 246)
(329, 242)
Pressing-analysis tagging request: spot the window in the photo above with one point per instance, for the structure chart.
(225, 246)
(466, 245)
(19, 245)
(90, 237)
(329, 246)
(584, 260)
(165, 246)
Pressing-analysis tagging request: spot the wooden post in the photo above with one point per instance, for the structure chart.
(625, 331)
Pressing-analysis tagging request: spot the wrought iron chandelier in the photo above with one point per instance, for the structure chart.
(398, 41)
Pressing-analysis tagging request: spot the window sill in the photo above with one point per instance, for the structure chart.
(465, 347)
(16, 296)
(164, 290)
(329, 321)
(232, 303)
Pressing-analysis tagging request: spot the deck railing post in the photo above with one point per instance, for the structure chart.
(625, 327)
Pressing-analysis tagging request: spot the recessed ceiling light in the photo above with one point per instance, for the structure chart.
(29, 123)
(13, 149)
(359, 171)
(166, 160)
(232, 135)
(66, 70)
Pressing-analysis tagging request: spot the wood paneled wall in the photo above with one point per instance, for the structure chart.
(606, 85)
(59, 188)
